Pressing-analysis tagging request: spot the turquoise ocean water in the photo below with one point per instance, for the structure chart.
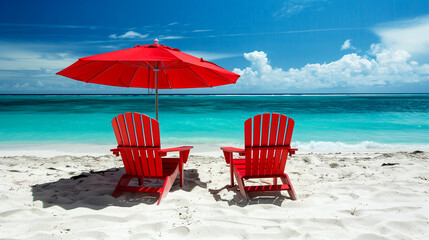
(333, 121)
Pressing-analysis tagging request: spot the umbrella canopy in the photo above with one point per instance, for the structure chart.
(149, 66)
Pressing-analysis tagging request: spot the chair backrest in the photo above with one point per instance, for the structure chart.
(267, 139)
(139, 142)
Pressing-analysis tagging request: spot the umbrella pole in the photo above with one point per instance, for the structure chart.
(156, 89)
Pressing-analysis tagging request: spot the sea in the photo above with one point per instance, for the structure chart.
(331, 122)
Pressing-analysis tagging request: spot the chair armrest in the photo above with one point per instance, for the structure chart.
(176, 149)
(233, 149)
(183, 152)
(115, 151)
(292, 151)
(228, 151)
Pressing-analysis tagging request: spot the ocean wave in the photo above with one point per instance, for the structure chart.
(312, 145)
(201, 145)
(364, 145)
(200, 141)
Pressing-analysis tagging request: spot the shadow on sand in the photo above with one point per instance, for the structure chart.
(93, 190)
(275, 198)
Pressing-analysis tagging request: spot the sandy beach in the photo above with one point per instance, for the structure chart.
(343, 195)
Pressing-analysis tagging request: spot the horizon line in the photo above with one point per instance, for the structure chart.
(219, 94)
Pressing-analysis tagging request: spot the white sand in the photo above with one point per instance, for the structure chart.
(340, 196)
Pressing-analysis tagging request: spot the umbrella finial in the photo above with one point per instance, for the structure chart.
(156, 41)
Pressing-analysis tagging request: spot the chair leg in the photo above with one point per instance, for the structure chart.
(163, 191)
(168, 182)
(291, 191)
(240, 183)
(141, 180)
(230, 161)
(183, 158)
(125, 179)
(182, 180)
(231, 166)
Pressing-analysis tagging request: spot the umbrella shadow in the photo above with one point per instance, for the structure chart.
(94, 190)
(224, 194)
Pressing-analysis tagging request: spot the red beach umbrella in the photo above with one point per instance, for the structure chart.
(149, 66)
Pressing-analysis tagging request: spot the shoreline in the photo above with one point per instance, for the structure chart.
(51, 149)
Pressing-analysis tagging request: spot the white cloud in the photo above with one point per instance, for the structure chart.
(282, 32)
(409, 35)
(17, 56)
(293, 7)
(129, 34)
(386, 68)
(170, 37)
(347, 45)
(27, 25)
(202, 30)
(210, 56)
(32, 66)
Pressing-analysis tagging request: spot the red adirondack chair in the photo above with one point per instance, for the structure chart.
(140, 148)
(266, 151)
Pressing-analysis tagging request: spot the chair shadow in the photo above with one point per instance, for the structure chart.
(275, 198)
(94, 190)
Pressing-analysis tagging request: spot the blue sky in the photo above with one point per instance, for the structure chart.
(307, 46)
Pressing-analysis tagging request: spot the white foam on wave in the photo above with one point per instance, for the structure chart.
(199, 141)
(205, 147)
(51, 149)
(364, 145)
